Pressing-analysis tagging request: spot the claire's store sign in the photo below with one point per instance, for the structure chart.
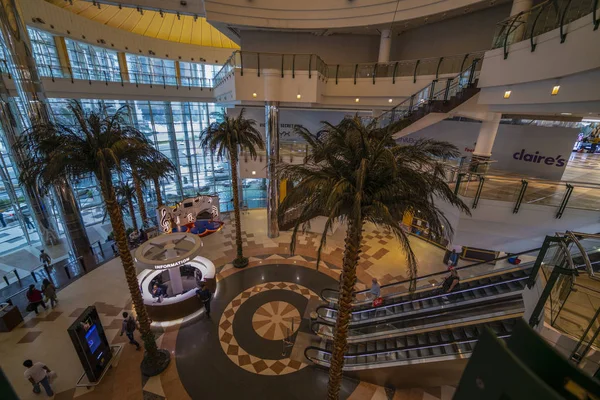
(525, 156)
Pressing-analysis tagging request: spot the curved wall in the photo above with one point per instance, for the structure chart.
(319, 14)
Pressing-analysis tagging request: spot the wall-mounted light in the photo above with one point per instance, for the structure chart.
(253, 172)
(298, 96)
(254, 95)
(356, 100)
(390, 100)
(555, 90)
(566, 113)
(507, 94)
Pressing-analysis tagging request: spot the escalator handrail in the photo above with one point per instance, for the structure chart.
(407, 348)
(431, 297)
(435, 273)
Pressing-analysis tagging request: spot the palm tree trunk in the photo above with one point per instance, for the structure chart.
(119, 231)
(132, 214)
(140, 197)
(347, 283)
(240, 261)
(159, 201)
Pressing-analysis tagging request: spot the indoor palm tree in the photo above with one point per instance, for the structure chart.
(97, 143)
(138, 185)
(357, 174)
(227, 137)
(155, 168)
(126, 192)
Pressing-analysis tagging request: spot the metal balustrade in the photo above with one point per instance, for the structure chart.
(542, 18)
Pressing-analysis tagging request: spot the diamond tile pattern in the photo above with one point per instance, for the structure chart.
(236, 353)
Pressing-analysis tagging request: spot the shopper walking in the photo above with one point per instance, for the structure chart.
(45, 258)
(205, 296)
(49, 291)
(35, 298)
(129, 326)
(28, 223)
(2, 219)
(453, 258)
(450, 283)
(37, 374)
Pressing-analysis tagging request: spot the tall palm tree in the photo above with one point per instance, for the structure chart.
(357, 174)
(138, 185)
(155, 168)
(96, 143)
(126, 192)
(229, 136)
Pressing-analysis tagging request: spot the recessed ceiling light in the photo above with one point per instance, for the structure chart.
(254, 94)
(507, 94)
(253, 172)
(566, 113)
(390, 100)
(298, 96)
(555, 90)
(356, 100)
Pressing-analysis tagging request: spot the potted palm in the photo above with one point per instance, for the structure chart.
(357, 174)
(226, 138)
(97, 143)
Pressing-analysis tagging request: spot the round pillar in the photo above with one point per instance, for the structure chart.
(272, 134)
(487, 135)
(385, 45)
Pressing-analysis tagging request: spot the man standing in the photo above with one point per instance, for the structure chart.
(205, 296)
(37, 374)
(129, 326)
(45, 258)
(375, 290)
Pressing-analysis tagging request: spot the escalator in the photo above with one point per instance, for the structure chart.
(501, 287)
(452, 343)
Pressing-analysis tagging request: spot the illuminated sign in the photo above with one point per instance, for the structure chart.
(173, 264)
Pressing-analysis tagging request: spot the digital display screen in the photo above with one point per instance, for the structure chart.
(92, 338)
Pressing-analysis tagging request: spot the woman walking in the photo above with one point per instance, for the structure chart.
(49, 291)
(35, 298)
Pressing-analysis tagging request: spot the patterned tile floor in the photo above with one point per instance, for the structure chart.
(43, 338)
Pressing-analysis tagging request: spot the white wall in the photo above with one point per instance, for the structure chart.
(510, 140)
(334, 49)
(494, 226)
(464, 34)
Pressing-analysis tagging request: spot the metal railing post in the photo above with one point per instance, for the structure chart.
(6, 280)
(33, 276)
(394, 75)
(521, 195)
(472, 71)
(355, 71)
(447, 91)
(18, 277)
(462, 65)
(67, 271)
(508, 33)
(577, 357)
(337, 71)
(294, 66)
(410, 106)
(82, 263)
(310, 66)
(282, 65)
(478, 192)
(563, 35)
(374, 72)
(594, 15)
(458, 182)
(415, 72)
(565, 201)
(432, 89)
(533, 45)
(437, 71)
(241, 63)
(258, 62)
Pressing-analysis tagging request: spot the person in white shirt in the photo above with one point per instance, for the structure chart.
(375, 290)
(37, 374)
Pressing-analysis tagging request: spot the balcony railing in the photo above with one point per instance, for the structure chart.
(544, 17)
(289, 64)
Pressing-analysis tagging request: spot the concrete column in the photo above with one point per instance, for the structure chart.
(272, 133)
(63, 55)
(31, 93)
(487, 135)
(519, 6)
(123, 66)
(385, 45)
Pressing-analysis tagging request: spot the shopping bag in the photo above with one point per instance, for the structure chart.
(377, 302)
(52, 376)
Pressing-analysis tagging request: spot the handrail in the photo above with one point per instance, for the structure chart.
(556, 18)
(464, 267)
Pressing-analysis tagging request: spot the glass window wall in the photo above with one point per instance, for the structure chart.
(45, 53)
(93, 62)
(156, 71)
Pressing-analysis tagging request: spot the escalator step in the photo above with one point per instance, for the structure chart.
(329, 346)
(380, 345)
(392, 356)
(351, 349)
(448, 349)
(361, 348)
(361, 360)
(433, 337)
(422, 339)
(469, 332)
(408, 307)
(417, 305)
(435, 302)
(478, 293)
(468, 295)
(371, 346)
(400, 342)
(458, 334)
(413, 354)
(355, 317)
(411, 340)
(397, 309)
(503, 288)
(426, 352)
(445, 335)
(371, 359)
(438, 351)
(389, 344)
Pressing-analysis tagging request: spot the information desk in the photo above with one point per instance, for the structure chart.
(172, 306)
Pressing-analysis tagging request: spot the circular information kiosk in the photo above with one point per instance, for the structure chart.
(173, 271)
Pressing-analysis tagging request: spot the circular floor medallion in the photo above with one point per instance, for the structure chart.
(276, 320)
(236, 353)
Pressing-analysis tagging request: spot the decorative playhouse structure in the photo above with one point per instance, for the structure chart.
(198, 215)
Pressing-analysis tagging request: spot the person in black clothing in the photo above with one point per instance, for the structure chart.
(128, 327)
(205, 296)
(450, 282)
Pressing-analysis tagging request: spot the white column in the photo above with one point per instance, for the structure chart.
(520, 6)
(385, 45)
(487, 135)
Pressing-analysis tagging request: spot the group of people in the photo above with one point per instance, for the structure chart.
(38, 298)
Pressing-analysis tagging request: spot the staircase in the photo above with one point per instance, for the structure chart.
(434, 102)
